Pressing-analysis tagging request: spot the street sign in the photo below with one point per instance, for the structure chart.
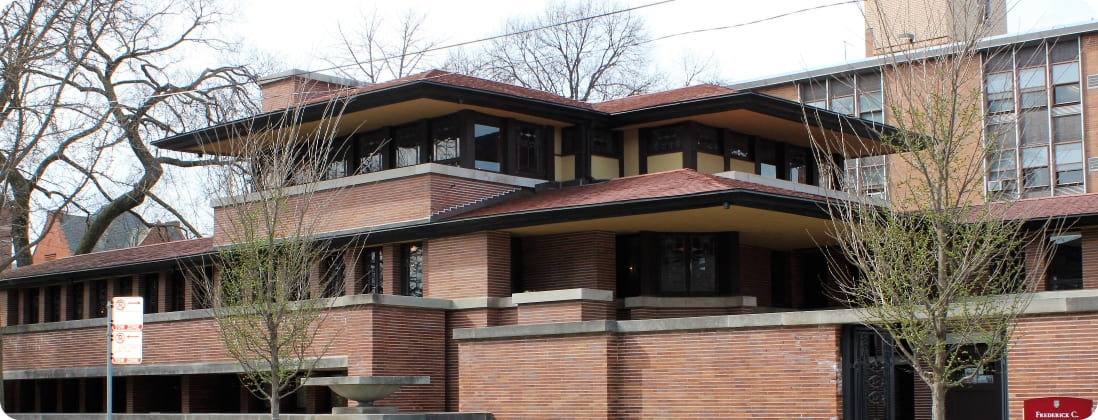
(126, 347)
(127, 323)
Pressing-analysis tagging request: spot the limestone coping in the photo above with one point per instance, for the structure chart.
(158, 369)
(1056, 302)
(549, 296)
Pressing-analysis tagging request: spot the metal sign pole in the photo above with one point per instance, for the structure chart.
(110, 341)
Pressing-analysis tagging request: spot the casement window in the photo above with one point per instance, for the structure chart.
(407, 139)
(99, 298)
(1065, 270)
(372, 271)
(76, 301)
(688, 264)
(150, 290)
(1034, 128)
(466, 139)
(412, 269)
(370, 151)
(123, 286)
(30, 306)
(867, 176)
(52, 301)
(332, 272)
(676, 264)
(445, 141)
(174, 296)
(857, 95)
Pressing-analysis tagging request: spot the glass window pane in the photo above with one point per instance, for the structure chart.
(673, 264)
(1069, 177)
(1034, 99)
(1031, 78)
(842, 87)
(1064, 50)
(814, 91)
(875, 116)
(1067, 128)
(1002, 135)
(703, 267)
(843, 105)
(869, 82)
(1065, 73)
(1035, 157)
(486, 139)
(1034, 127)
(1036, 177)
(1065, 94)
(1068, 153)
(407, 156)
(870, 102)
(1031, 56)
(999, 82)
(817, 104)
(446, 148)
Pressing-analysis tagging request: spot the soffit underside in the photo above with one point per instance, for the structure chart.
(757, 227)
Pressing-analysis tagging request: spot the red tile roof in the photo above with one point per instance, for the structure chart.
(1048, 207)
(679, 182)
(460, 80)
(618, 105)
(114, 258)
(635, 102)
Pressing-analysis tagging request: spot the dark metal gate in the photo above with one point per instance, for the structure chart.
(868, 380)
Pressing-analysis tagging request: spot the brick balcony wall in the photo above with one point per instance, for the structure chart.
(765, 373)
(376, 339)
(368, 204)
(567, 311)
(529, 377)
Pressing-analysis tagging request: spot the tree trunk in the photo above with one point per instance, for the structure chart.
(938, 401)
(274, 396)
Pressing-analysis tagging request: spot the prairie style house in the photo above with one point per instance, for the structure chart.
(661, 255)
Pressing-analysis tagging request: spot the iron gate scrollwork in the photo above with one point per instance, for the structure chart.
(867, 375)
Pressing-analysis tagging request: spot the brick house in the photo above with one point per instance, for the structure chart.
(653, 256)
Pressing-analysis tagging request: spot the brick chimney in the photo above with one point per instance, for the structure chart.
(295, 87)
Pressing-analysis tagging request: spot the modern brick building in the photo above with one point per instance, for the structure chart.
(654, 256)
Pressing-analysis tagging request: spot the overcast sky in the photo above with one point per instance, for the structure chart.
(301, 33)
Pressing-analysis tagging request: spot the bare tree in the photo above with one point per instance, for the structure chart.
(86, 84)
(576, 50)
(374, 51)
(269, 313)
(934, 267)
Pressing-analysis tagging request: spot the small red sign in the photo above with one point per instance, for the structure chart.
(1057, 408)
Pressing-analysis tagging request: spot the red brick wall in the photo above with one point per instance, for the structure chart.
(460, 319)
(377, 339)
(370, 204)
(567, 311)
(1090, 258)
(560, 377)
(755, 273)
(1089, 63)
(568, 261)
(1053, 356)
(695, 374)
(762, 373)
(473, 265)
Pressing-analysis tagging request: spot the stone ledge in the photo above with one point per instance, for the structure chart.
(549, 296)
(155, 369)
